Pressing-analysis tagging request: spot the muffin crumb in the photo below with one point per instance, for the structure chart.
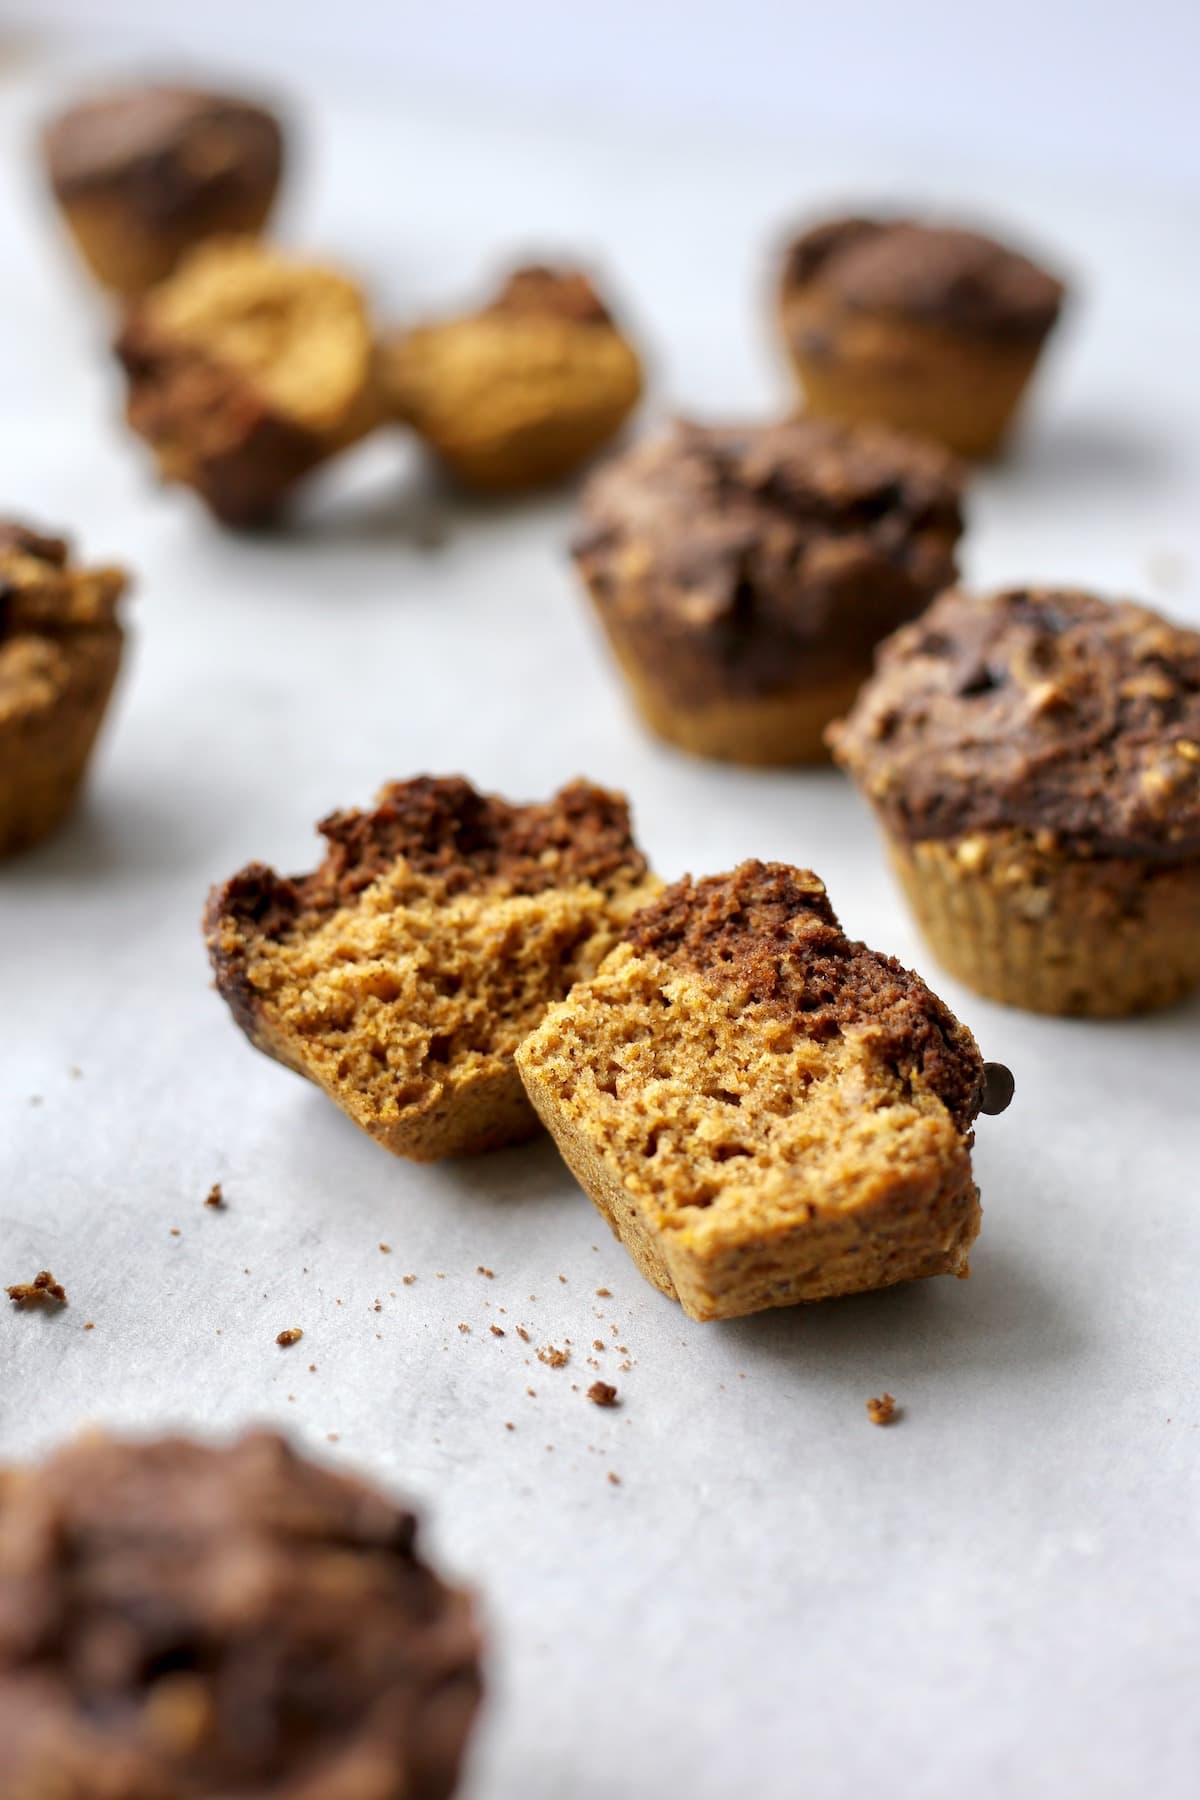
(43, 1290)
(602, 1393)
(291, 1335)
(882, 1410)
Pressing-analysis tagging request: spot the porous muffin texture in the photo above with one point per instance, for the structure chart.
(931, 328)
(143, 174)
(181, 1621)
(519, 394)
(60, 649)
(744, 574)
(402, 974)
(1034, 758)
(764, 1111)
(246, 371)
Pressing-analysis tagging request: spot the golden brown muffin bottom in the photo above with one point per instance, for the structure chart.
(44, 752)
(1040, 928)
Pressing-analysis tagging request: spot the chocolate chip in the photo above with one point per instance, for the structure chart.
(998, 1088)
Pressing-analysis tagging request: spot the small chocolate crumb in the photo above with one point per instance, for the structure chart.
(532, 1392)
(522, 1333)
(509, 1426)
(292, 1335)
(604, 1293)
(90, 1326)
(497, 1330)
(615, 1479)
(881, 1411)
(998, 1088)
(407, 1280)
(490, 1273)
(215, 1196)
(378, 1306)
(463, 1327)
(386, 1248)
(602, 1393)
(43, 1290)
(175, 1231)
(553, 1358)
(562, 1278)
(599, 1344)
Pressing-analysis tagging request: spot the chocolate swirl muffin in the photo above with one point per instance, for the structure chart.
(60, 649)
(927, 327)
(744, 574)
(144, 174)
(179, 1621)
(1034, 758)
(764, 1110)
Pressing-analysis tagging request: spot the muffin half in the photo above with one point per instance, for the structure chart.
(403, 973)
(144, 174)
(764, 1111)
(744, 574)
(1034, 759)
(929, 328)
(60, 649)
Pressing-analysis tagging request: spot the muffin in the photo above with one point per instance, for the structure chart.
(144, 173)
(517, 395)
(246, 371)
(1034, 759)
(402, 974)
(926, 327)
(744, 574)
(180, 1621)
(60, 648)
(764, 1111)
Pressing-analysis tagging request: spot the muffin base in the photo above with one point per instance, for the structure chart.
(964, 392)
(762, 730)
(43, 758)
(1036, 927)
(127, 256)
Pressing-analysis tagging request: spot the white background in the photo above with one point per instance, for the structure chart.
(998, 1597)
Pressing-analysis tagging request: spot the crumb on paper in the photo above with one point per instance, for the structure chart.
(602, 1393)
(615, 1479)
(464, 1327)
(386, 1249)
(599, 1344)
(43, 1290)
(881, 1410)
(333, 1436)
(562, 1278)
(175, 1231)
(553, 1357)
(509, 1426)
(497, 1330)
(292, 1335)
(215, 1196)
(407, 1280)
(604, 1293)
(522, 1333)
(90, 1326)
(312, 1368)
(489, 1273)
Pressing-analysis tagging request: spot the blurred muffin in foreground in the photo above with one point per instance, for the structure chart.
(930, 328)
(180, 1621)
(60, 649)
(744, 574)
(142, 174)
(247, 370)
(519, 394)
(1034, 758)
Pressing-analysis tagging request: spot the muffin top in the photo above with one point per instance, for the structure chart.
(181, 1620)
(48, 609)
(172, 143)
(935, 274)
(1044, 710)
(756, 544)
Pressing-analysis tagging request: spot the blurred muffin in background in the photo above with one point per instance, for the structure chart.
(745, 573)
(930, 328)
(1034, 760)
(143, 174)
(520, 393)
(246, 371)
(60, 649)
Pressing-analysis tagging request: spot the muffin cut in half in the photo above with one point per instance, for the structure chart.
(519, 394)
(927, 327)
(60, 649)
(246, 371)
(143, 174)
(403, 973)
(180, 1621)
(764, 1111)
(744, 574)
(1034, 760)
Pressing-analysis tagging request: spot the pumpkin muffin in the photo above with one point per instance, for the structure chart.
(60, 648)
(517, 395)
(402, 974)
(180, 1621)
(764, 1111)
(246, 371)
(744, 574)
(1034, 759)
(927, 327)
(145, 173)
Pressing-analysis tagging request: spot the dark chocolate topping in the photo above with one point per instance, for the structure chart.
(1040, 710)
(167, 148)
(740, 554)
(556, 293)
(42, 594)
(179, 1621)
(934, 273)
(771, 930)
